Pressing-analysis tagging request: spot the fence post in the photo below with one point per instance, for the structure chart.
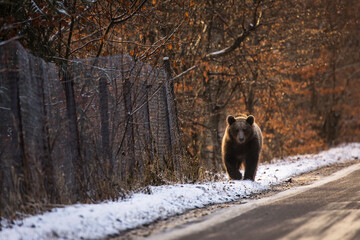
(172, 113)
(129, 131)
(74, 141)
(104, 119)
(21, 164)
(47, 160)
(147, 126)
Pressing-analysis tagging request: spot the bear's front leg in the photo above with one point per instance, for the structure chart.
(233, 171)
(251, 164)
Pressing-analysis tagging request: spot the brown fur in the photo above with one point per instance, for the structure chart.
(241, 144)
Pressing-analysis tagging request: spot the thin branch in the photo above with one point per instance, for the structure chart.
(220, 74)
(121, 18)
(81, 47)
(134, 43)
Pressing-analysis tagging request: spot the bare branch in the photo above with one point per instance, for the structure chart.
(10, 40)
(231, 48)
(114, 21)
(246, 32)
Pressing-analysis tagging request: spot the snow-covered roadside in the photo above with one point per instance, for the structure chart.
(91, 221)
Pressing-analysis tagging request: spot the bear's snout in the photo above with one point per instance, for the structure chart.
(241, 137)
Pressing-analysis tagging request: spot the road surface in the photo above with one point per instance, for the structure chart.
(328, 209)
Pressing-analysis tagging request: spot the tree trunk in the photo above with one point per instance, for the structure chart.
(216, 141)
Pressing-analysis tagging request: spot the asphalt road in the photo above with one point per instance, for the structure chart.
(325, 211)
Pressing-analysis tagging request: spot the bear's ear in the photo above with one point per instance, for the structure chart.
(230, 120)
(250, 119)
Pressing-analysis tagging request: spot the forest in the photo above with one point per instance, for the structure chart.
(294, 65)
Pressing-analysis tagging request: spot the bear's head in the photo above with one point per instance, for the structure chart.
(240, 129)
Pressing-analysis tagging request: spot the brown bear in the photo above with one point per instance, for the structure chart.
(241, 144)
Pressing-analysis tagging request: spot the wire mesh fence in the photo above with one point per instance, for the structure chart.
(126, 120)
